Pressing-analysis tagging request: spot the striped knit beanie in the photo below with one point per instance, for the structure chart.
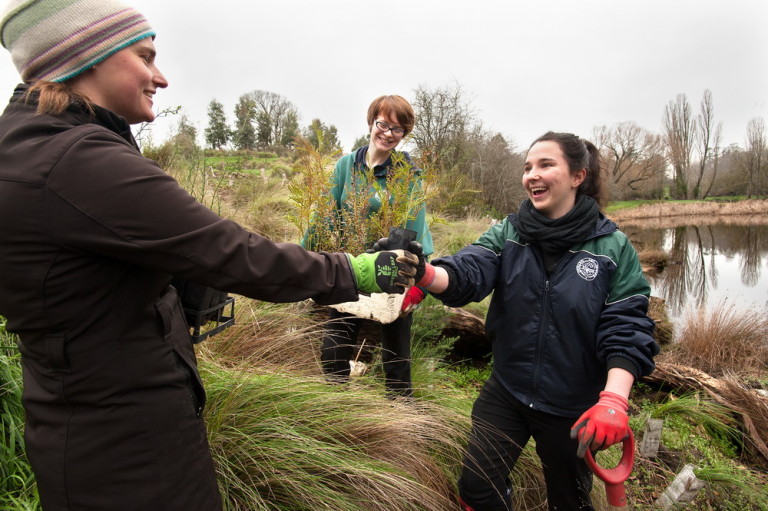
(56, 40)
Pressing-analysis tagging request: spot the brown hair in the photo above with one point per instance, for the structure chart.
(53, 98)
(396, 106)
(580, 154)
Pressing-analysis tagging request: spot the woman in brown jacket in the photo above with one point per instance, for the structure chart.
(91, 234)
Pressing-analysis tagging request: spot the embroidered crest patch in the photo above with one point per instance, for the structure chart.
(587, 268)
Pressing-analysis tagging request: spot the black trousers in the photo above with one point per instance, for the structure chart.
(501, 426)
(338, 348)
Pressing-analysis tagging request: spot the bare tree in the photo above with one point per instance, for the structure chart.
(444, 122)
(707, 138)
(717, 140)
(732, 172)
(633, 157)
(275, 116)
(497, 169)
(755, 155)
(678, 133)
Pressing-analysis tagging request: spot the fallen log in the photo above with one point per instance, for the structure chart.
(469, 330)
(747, 403)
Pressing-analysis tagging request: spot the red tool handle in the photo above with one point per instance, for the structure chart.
(614, 477)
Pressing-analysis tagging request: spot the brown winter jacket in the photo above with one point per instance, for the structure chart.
(90, 234)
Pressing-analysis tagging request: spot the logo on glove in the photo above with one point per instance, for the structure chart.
(387, 271)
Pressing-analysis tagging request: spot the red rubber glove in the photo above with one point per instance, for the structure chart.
(413, 298)
(603, 425)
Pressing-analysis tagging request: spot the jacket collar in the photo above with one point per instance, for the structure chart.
(77, 113)
(378, 170)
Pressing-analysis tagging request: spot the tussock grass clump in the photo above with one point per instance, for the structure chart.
(284, 336)
(725, 339)
(17, 483)
(283, 441)
(265, 208)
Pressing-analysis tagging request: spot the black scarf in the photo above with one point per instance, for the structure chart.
(556, 236)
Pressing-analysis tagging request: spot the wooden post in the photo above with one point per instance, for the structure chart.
(649, 447)
(683, 490)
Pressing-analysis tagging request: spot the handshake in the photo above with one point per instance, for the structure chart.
(385, 270)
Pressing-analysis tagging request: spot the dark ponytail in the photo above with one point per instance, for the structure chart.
(580, 154)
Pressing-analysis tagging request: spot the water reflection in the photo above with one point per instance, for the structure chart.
(708, 264)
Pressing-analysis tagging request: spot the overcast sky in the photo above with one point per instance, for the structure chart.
(526, 66)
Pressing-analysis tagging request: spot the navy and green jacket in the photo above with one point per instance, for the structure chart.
(343, 181)
(555, 337)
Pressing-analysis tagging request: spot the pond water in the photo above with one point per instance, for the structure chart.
(708, 265)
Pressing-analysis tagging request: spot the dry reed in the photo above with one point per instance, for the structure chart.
(653, 260)
(281, 336)
(723, 339)
(664, 333)
(754, 410)
(673, 214)
(283, 441)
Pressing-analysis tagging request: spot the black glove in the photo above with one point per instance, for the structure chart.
(415, 248)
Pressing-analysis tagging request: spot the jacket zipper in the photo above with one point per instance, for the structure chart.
(540, 342)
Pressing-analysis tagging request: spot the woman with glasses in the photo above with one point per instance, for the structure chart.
(390, 119)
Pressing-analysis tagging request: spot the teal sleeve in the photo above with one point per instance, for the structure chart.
(494, 238)
(628, 279)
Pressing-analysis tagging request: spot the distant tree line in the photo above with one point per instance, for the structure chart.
(265, 120)
(476, 167)
(687, 159)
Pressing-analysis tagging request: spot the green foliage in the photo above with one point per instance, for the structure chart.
(695, 413)
(217, 133)
(429, 347)
(456, 195)
(468, 376)
(361, 141)
(244, 134)
(17, 484)
(702, 433)
(450, 237)
(263, 205)
(323, 138)
(354, 226)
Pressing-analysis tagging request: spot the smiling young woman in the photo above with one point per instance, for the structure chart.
(569, 324)
(125, 83)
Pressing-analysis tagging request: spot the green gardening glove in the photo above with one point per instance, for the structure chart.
(389, 271)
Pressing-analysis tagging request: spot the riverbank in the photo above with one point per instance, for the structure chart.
(672, 214)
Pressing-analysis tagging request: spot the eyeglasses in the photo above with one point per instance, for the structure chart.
(383, 126)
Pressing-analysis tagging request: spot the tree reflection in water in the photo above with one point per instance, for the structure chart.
(708, 263)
